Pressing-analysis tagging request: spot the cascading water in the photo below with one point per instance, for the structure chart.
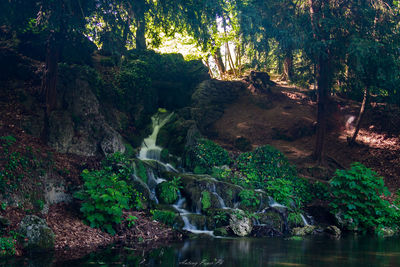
(149, 149)
(185, 217)
(220, 200)
(150, 155)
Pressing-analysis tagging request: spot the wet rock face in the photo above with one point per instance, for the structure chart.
(240, 224)
(77, 125)
(37, 235)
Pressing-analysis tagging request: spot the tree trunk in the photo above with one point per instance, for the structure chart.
(49, 81)
(219, 62)
(323, 80)
(360, 117)
(231, 64)
(140, 26)
(288, 66)
(208, 66)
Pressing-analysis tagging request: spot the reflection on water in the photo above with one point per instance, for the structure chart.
(351, 251)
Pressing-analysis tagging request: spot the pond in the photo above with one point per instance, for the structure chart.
(349, 251)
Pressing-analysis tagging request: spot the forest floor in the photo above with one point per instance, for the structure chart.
(287, 111)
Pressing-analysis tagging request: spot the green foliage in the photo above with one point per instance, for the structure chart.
(133, 84)
(294, 218)
(129, 151)
(205, 200)
(221, 173)
(169, 191)
(8, 140)
(356, 196)
(141, 171)
(165, 216)
(106, 194)
(221, 218)
(131, 220)
(199, 170)
(21, 165)
(268, 169)
(7, 246)
(207, 154)
(249, 198)
(104, 198)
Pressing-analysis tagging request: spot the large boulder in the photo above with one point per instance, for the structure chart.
(210, 99)
(240, 224)
(38, 237)
(77, 125)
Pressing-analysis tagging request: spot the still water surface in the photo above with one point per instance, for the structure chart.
(349, 251)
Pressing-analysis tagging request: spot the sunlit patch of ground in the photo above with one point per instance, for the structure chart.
(374, 140)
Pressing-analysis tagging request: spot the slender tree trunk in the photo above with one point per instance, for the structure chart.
(238, 59)
(49, 81)
(125, 34)
(208, 66)
(360, 117)
(219, 62)
(288, 66)
(141, 26)
(231, 64)
(323, 80)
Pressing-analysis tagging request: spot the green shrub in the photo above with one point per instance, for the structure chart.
(164, 216)
(294, 219)
(221, 173)
(106, 194)
(268, 169)
(7, 246)
(169, 191)
(221, 218)
(141, 171)
(356, 197)
(249, 198)
(131, 220)
(104, 198)
(207, 154)
(199, 170)
(205, 200)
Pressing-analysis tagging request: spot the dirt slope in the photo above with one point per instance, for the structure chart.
(285, 119)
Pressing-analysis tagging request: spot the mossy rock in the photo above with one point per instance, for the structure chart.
(194, 185)
(198, 220)
(173, 135)
(272, 219)
(303, 231)
(38, 237)
(221, 231)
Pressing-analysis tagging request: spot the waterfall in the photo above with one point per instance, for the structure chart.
(304, 220)
(149, 149)
(220, 200)
(185, 217)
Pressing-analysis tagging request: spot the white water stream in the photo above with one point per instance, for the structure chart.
(149, 151)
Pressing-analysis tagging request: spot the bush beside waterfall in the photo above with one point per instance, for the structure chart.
(206, 154)
(106, 193)
(268, 169)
